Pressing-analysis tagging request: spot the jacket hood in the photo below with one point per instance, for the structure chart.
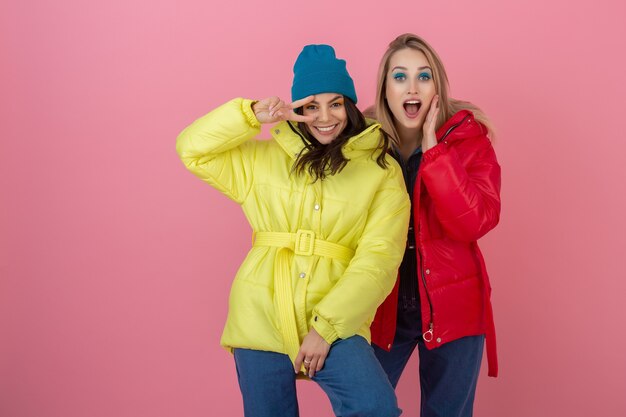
(288, 137)
(461, 125)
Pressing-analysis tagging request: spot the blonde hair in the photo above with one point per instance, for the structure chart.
(448, 105)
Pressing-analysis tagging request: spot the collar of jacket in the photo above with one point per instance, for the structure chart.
(461, 125)
(285, 133)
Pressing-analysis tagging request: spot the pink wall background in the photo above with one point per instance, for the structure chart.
(115, 263)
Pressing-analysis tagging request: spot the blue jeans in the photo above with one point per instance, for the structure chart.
(448, 374)
(352, 378)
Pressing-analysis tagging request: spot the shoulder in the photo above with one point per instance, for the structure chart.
(465, 133)
(391, 174)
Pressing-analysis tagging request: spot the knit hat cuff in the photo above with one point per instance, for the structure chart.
(323, 82)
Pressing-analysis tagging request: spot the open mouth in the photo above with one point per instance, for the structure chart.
(412, 108)
(325, 130)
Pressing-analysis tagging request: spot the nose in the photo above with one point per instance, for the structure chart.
(323, 114)
(413, 86)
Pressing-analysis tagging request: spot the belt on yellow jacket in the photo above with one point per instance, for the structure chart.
(303, 243)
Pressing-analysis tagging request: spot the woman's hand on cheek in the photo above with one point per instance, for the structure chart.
(273, 109)
(430, 138)
(312, 354)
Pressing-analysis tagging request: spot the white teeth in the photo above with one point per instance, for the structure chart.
(325, 129)
(412, 102)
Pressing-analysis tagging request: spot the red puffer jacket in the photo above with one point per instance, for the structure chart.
(456, 201)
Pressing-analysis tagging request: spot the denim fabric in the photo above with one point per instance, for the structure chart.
(352, 378)
(448, 374)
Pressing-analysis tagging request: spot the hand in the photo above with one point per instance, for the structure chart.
(312, 354)
(430, 138)
(273, 109)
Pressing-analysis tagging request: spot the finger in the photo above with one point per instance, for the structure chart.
(434, 109)
(435, 114)
(432, 116)
(320, 363)
(274, 100)
(297, 365)
(270, 101)
(295, 117)
(302, 102)
(276, 106)
(282, 114)
(313, 367)
(434, 104)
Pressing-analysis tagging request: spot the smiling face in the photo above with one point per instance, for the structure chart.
(330, 117)
(409, 87)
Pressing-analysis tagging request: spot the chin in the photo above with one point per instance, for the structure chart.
(409, 124)
(326, 140)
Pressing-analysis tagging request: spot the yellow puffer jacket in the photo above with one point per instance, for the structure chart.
(326, 253)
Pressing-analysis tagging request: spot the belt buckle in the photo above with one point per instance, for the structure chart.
(305, 241)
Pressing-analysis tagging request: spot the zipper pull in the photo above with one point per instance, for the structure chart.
(428, 335)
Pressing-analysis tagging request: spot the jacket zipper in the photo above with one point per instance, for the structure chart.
(428, 334)
(452, 128)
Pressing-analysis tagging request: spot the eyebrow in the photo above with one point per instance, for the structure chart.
(405, 68)
(334, 99)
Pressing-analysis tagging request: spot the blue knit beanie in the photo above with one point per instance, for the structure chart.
(318, 71)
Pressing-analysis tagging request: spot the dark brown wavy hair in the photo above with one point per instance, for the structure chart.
(321, 160)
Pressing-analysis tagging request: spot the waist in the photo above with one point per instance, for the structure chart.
(304, 243)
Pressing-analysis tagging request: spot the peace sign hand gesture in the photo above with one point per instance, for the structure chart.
(273, 109)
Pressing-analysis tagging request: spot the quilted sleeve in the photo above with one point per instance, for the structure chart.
(217, 149)
(466, 196)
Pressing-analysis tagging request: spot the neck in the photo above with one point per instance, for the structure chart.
(409, 140)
